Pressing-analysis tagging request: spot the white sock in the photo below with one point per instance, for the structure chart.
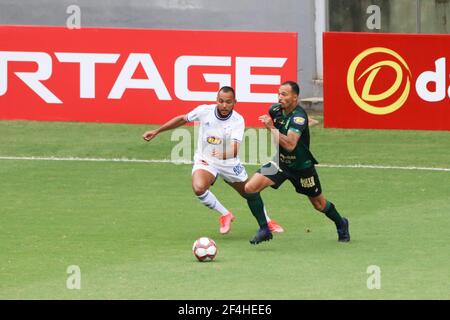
(210, 200)
(265, 213)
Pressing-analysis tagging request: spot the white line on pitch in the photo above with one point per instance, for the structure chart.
(356, 166)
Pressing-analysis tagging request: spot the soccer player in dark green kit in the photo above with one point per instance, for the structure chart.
(288, 124)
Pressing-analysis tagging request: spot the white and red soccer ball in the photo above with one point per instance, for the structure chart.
(204, 249)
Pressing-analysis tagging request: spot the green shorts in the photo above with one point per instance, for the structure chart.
(305, 181)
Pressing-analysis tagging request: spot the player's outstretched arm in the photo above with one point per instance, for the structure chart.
(173, 123)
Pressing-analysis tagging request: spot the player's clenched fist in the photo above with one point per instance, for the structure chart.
(267, 121)
(149, 135)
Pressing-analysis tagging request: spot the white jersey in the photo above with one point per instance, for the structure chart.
(216, 133)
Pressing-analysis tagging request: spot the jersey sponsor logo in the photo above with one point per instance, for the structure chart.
(287, 159)
(213, 140)
(360, 80)
(299, 120)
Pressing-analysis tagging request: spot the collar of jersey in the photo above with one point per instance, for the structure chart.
(290, 113)
(223, 119)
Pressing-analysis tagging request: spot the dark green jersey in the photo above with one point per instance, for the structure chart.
(297, 121)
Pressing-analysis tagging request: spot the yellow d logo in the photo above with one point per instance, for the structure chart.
(366, 96)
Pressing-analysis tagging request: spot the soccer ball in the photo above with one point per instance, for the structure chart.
(204, 249)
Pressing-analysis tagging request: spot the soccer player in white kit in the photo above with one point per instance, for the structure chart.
(220, 134)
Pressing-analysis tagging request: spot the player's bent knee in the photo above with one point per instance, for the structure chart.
(318, 206)
(250, 188)
(199, 189)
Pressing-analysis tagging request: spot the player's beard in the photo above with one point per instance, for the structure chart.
(223, 115)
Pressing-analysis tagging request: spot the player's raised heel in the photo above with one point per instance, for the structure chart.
(225, 222)
(343, 232)
(263, 234)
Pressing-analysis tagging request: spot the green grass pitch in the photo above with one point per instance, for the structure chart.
(130, 226)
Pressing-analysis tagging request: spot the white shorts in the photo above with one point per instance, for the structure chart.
(228, 173)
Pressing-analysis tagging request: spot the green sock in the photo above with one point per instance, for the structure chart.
(331, 212)
(256, 206)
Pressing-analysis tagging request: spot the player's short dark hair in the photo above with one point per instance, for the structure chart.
(228, 89)
(294, 86)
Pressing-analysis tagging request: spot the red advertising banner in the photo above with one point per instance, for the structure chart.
(386, 81)
(137, 75)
